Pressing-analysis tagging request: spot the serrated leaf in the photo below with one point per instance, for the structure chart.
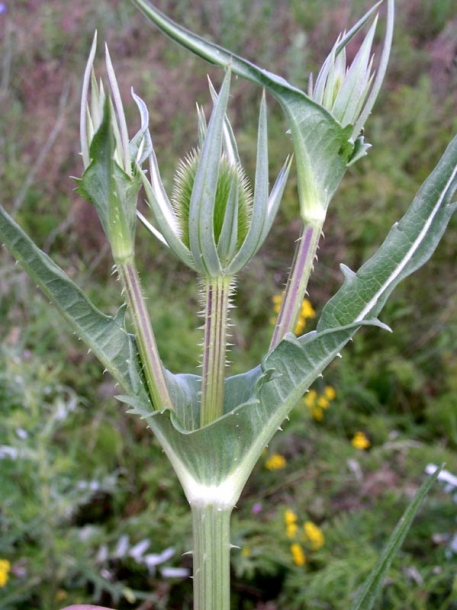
(223, 453)
(105, 335)
(409, 244)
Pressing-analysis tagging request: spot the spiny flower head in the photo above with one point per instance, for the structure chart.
(231, 176)
(94, 103)
(345, 95)
(213, 222)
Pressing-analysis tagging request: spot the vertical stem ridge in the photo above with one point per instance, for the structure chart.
(144, 334)
(211, 556)
(217, 299)
(297, 282)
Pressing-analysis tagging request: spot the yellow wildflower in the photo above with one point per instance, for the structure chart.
(291, 530)
(61, 595)
(298, 554)
(317, 413)
(314, 534)
(275, 462)
(323, 402)
(360, 441)
(318, 403)
(329, 392)
(277, 300)
(307, 310)
(310, 398)
(291, 523)
(290, 516)
(246, 551)
(5, 568)
(300, 327)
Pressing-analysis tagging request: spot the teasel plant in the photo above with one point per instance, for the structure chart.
(213, 427)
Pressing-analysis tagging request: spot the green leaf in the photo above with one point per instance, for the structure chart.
(368, 593)
(322, 147)
(105, 335)
(202, 201)
(185, 393)
(409, 244)
(235, 441)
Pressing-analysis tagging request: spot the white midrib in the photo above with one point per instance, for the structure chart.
(414, 246)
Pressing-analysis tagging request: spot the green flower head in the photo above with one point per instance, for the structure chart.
(231, 182)
(213, 222)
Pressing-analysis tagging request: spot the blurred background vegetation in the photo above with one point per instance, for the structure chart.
(90, 511)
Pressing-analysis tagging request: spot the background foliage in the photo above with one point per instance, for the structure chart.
(82, 483)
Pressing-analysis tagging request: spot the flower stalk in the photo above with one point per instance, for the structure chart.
(297, 282)
(111, 182)
(153, 370)
(348, 93)
(217, 303)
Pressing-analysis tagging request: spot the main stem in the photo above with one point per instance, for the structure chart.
(152, 365)
(217, 300)
(211, 556)
(297, 282)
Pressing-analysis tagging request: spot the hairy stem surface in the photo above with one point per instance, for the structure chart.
(152, 365)
(297, 283)
(217, 300)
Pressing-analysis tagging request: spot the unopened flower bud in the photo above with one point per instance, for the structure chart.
(232, 184)
(111, 178)
(213, 222)
(349, 92)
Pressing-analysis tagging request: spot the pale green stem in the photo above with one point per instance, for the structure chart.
(149, 354)
(217, 300)
(211, 556)
(297, 282)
